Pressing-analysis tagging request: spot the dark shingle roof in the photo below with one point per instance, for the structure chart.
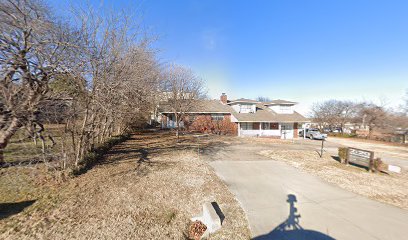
(264, 114)
(200, 106)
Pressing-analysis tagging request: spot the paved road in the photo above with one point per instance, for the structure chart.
(282, 202)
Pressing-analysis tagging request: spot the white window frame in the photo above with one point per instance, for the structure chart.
(217, 116)
(245, 108)
(266, 126)
(247, 126)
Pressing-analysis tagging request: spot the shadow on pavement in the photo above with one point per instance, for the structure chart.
(291, 229)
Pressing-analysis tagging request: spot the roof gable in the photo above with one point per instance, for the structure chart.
(279, 102)
(243, 100)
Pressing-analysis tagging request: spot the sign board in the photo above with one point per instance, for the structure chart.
(360, 157)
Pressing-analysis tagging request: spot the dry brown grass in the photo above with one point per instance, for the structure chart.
(147, 188)
(391, 189)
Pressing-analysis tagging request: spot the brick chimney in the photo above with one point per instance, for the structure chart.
(223, 98)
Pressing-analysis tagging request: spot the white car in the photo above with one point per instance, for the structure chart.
(316, 135)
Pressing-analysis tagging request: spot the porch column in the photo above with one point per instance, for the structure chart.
(239, 129)
(304, 130)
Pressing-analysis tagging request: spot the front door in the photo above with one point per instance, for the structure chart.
(286, 130)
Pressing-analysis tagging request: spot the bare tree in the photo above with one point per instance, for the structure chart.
(32, 50)
(123, 78)
(333, 113)
(102, 72)
(183, 89)
(346, 111)
(263, 99)
(373, 116)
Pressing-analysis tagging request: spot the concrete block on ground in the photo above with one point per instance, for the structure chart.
(212, 217)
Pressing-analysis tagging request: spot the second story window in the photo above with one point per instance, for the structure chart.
(245, 108)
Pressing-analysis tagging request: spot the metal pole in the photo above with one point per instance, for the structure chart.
(321, 150)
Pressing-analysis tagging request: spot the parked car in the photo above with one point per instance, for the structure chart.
(336, 130)
(307, 130)
(315, 134)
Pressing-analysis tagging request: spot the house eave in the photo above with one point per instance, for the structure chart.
(271, 121)
(198, 112)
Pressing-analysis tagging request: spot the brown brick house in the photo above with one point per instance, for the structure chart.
(244, 117)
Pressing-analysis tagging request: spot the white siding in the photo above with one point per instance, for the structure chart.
(236, 107)
(260, 133)
(244, 107)
(286, 130)
(249, 132)
(282, 109)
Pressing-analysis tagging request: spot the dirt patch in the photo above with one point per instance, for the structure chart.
(147, 188)
(391, 189)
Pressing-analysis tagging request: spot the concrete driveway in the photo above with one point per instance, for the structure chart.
(282, 202)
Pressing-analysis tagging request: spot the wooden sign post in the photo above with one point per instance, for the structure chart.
(361, 157)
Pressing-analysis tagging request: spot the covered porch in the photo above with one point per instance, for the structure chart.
(283, 130)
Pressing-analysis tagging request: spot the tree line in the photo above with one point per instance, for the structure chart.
(98, 75)
(335, 114)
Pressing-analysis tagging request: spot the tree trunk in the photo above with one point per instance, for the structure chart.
(5, 135)
(2, 147)
(370, 132)
(177, 127)
(81, 138)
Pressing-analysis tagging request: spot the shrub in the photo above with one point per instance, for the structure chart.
(379, 165)
(343, 135)
(342, 152)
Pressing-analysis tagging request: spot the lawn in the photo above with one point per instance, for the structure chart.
(22, 150)
(145, 188)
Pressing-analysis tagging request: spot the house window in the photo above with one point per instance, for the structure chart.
(274, 126)
(246, 126)
(284, 107)
(245, 108)
(266, 126)
(217, 117)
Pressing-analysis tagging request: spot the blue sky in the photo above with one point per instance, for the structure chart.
(305, 51)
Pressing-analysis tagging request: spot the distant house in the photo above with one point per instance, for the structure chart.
(244, 117)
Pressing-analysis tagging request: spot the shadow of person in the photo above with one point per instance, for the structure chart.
(291, 229)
